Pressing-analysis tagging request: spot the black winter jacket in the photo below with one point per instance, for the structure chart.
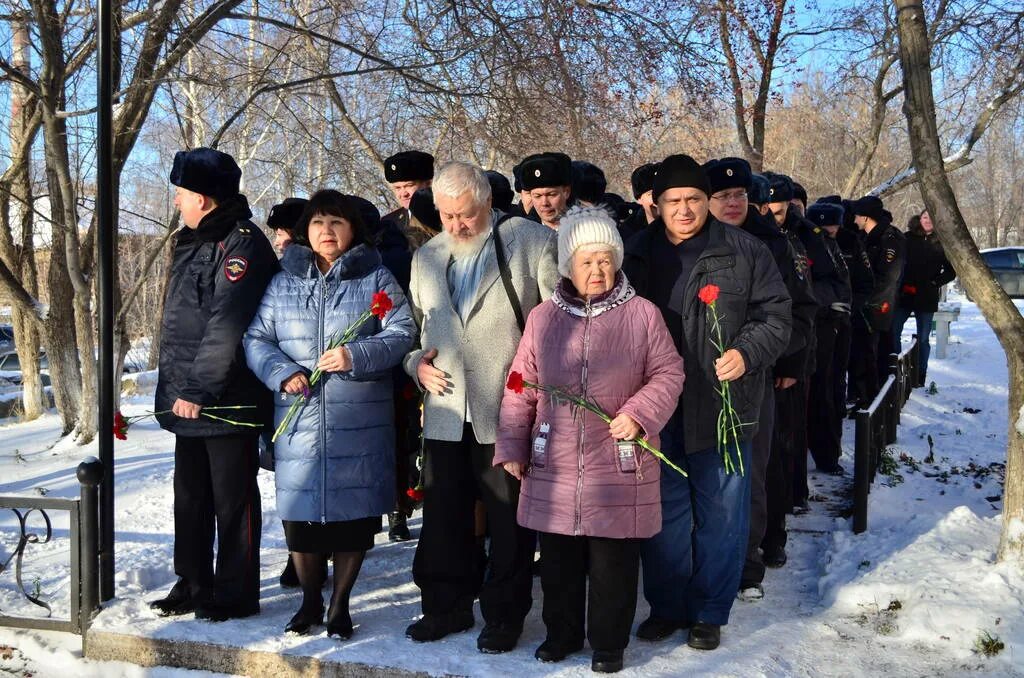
(793, 269)
(885, 247)
(218, 277)
(926, 271)
(755, 313)
(862, 278)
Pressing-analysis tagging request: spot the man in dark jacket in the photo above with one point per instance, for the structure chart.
(548, 178)
(825, 421)
(692, 569)
(407, 172)
(740, 198)
(872, 339)
(222, 265)
(862, 283)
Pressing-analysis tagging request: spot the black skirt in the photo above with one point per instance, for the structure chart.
(342, 535)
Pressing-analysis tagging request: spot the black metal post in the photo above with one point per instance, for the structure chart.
(90, 473)
(861, 472)
(105, 238)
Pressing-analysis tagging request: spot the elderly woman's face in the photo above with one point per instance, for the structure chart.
(593, 272)
(330, 236)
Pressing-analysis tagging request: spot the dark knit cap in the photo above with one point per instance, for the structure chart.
(588, 181)
(799, 193)
(501, 191)
(642, 179)
(680, 171)
(825, 214)
(285, 215)
(759, 192)
(422, 207)
(206, 171)
(545, 170)
(409, 166)
(871, 206)
(728, 173)
(780, 187)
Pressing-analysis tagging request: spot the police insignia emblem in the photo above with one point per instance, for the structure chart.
(536, 173)
(235, 268)
(728, 172)
(890, 255)
(393, 167)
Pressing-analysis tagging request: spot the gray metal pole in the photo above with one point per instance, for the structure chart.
(105, 239)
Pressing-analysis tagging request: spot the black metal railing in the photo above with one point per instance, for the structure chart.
(876, 427)
(36, 528)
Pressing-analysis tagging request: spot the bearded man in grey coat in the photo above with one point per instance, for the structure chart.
(471, 288)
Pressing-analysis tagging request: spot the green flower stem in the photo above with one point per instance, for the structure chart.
(590, 406)
(230, 421)
(728, 421)
(348, 335)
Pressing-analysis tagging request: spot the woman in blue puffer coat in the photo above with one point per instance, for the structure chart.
(334, 461)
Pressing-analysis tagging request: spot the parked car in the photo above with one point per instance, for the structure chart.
(1007, 265)
(10, 367)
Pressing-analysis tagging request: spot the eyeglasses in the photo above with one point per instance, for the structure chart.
(735, 196)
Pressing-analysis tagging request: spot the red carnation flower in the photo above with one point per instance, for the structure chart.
(120, 426)
(708, 294)
(910, 289)
(885, 307)
(515, 382)
(415, 493)
(381, 304)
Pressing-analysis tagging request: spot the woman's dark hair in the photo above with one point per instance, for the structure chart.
(914, 225)
(331, 203)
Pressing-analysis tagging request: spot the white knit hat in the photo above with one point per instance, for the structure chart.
(590, 227)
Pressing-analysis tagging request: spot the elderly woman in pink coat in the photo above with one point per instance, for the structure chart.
(591, 495)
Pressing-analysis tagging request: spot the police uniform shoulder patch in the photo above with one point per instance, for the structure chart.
(890, 255)
(800, 263)
(235, 268)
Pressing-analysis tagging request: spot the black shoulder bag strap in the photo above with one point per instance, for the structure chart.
(506, 276)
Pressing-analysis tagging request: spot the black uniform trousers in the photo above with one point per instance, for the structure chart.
(215, 495)
(863, 384)
(780, 473)
(613, 568)
(798, 421)
(840, 365)
(753, 566)
(446, 567)
(824, 424)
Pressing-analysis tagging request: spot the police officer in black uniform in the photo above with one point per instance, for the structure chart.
(825, 421)
(282, 219)
(222, 265)
(885, 247)
(739, 198)
(407, 172)
(548, 179)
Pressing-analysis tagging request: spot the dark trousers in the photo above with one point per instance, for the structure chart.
(753, 566)
(692, 567)
(824, 423)
(613, 568)
(841, 363)
(863, 385)
(215, 494)
(779, 477)
(446, 567)
(798, 424)
(407, 443)
(923, 322)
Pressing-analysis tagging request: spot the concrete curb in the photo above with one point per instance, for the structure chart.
(189, 654)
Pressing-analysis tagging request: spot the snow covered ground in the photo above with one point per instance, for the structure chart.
(914, 596)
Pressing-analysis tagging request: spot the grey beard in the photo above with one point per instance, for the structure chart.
(465, 249)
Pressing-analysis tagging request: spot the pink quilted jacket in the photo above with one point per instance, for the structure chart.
(619, 353)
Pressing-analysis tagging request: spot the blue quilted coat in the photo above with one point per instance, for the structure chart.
(336, 459)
